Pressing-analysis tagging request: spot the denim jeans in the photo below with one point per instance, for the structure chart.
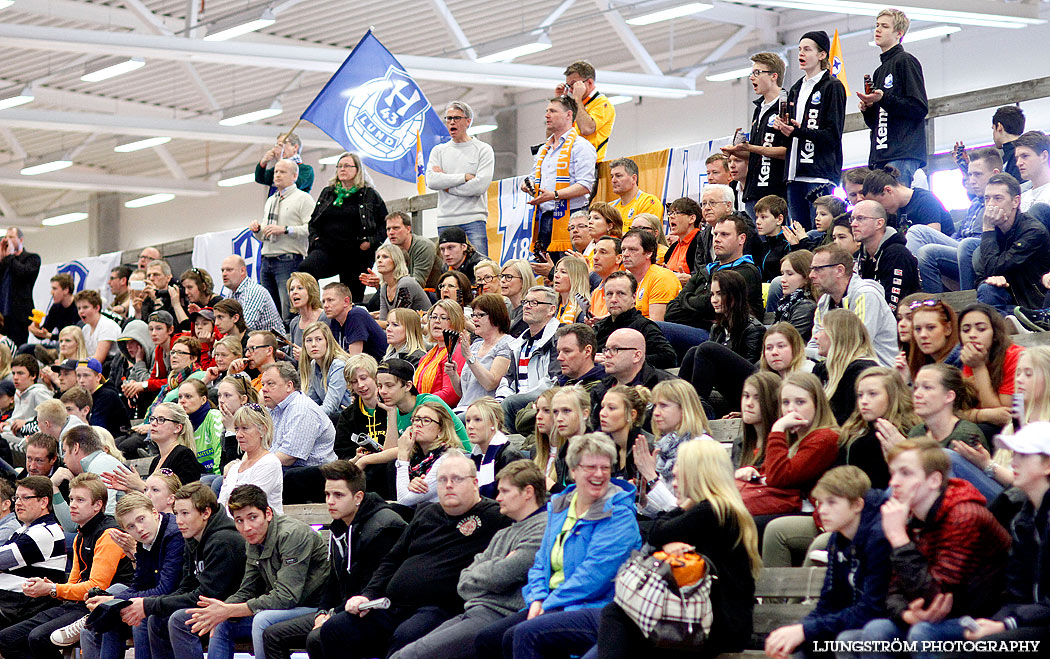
(883, 629)
(938, 256)
(515, 403)
(226, 634)
(558, 633)
(774, 295)
(273, 275)
(800, 208)
(1000, 298)
(682, 337)
(968, 471)
(967, 256)
(110, 645)
(171, 637)
(545, 230)
(214, 481)
(907, 168)
(477, 234)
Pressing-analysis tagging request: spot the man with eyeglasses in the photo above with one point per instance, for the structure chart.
(625, 363)
(303, 435)
(884, 255)
(716, 203)
(37, 548)
(620, 291)
(260, 353)
(831, 274)
(766, 147)
(535, 367)
(461, 171)
(283, 232)
(420, 574)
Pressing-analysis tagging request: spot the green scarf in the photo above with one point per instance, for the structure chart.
(342, 193)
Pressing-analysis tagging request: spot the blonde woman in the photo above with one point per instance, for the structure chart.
(172, 431)
(419, 448)
(432, 374)
(844, 343)
(257, 466)
(490, 450)
(678, 417)
(539, 445)
(224, 352)
(71, 344)
(321, 369)
(515, 280)
(304, 297)
(404, 336)
(486, 277)
(783, 350)
(397, 288)
(161, 487)
(348, 223)
(573, 287)
(571, 413)
(712, 520)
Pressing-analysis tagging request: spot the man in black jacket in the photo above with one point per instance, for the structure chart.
(363, 531)
(1015, 249)
(625, 363)
(420, 574)
(18, 271)
(620, 290)
(896, 108)
(213, 566)
(884, 256)
(817, 109)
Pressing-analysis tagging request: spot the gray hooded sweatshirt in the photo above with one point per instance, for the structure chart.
(137, 331)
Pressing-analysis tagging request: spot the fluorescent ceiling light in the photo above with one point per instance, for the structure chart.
(735, 74)
(669, 13)
(14, 96)
(236, 180)
(914, 13)
(44, 164)
(620, 99)
(478, 129)
(249, 112)
(928, 33)
(111, 67)
(506, 50)
(238, 24)
(149, 200)
(4, 4)
(141, 144)
(66, 218)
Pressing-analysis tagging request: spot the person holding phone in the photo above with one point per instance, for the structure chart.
(18, 272)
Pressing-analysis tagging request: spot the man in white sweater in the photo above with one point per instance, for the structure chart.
(461, 171)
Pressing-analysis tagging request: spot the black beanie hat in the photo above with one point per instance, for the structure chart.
(820, 37)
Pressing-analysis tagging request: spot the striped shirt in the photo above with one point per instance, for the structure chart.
(36, 550)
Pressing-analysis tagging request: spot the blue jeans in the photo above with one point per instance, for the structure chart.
(273, 275)
(1000, 298)
(682, 337)
(559, 633)
(226, 634)
(907, 168)
(773, 297)
(477, 234)
(968, 471)
(110, 645)
(171, 637)
(937, 253)
(967, 255)
(214, 481)
(883, 629)
(800, 208)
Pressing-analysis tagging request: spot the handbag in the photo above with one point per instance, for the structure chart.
(668, 615)
(762, 499)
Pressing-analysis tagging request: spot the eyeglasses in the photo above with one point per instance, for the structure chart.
(591, 469)
(861, 218)
(159, 420)
(528, 304)
(423, 421)
(612, 350)
(508, 277)
(924, 303)
(757, 72)
(346, 166)
(27, 498)
(486, 279)
(480, 314)
(450, 119)
(821, 267)
(250, 349)
(452, 480)
(711, 204)
(184, 353)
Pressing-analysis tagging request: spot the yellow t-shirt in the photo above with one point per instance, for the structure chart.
(658, 286)
(643, 202)
(604, 114)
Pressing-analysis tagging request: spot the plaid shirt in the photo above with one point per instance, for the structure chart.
(973, 224)
(302, 430)
(260, 312)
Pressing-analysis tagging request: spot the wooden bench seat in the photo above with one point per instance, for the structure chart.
(778, 583)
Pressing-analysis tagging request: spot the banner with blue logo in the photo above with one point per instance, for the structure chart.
(89, 272)
(372, 107)
(209, 249)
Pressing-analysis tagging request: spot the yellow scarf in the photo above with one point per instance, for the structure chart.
(560, 235)
(431, 368)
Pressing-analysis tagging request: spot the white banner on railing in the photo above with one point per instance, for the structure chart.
(209, 249)
(88, 272)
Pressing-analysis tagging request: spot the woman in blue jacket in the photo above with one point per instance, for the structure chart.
(591, 531)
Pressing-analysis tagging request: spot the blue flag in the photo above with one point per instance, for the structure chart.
(372, 107)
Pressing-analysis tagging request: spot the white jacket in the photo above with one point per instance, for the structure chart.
(867, 299)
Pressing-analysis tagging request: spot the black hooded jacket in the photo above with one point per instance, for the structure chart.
(893, 266)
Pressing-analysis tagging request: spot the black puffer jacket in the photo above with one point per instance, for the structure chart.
(362, 217)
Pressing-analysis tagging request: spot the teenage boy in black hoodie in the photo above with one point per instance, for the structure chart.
(421, 573)
(884, 256)
(896, 108)
(213, 566)
(370, 527)
(858, 574)
(817, 112)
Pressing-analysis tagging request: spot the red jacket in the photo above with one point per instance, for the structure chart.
(158, 376)
(959, 549)
(815, 455)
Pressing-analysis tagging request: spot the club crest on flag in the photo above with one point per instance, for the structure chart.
(384, 115)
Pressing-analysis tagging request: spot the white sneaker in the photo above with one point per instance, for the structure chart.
(819, 556)
(1016, 324)
(70, 634)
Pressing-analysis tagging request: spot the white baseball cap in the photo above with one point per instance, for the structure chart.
(1031, 438)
